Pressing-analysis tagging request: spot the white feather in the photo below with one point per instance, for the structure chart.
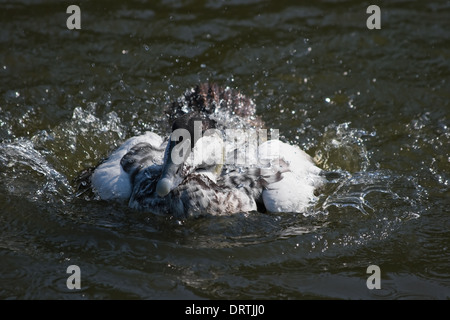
(109, 180)
(208, 150)
(296, 189)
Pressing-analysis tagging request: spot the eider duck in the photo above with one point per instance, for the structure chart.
(214, 162)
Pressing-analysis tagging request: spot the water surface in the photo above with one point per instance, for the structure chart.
(372, 107)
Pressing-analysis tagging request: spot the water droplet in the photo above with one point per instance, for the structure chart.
(350, 104)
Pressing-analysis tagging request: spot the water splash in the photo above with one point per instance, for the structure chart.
(370, 192)
(342, 147)
(82, 141)
(26, 173)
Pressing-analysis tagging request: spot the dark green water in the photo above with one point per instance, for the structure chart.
(372, 105)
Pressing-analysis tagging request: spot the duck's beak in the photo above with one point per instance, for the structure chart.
(174, 158)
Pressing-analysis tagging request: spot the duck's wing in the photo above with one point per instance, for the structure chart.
(112, 179)
(295, 191)
(250, 182)
(141, 156)
(201, 195)
(197, 195)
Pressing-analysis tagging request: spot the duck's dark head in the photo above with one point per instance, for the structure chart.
(193, 136)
